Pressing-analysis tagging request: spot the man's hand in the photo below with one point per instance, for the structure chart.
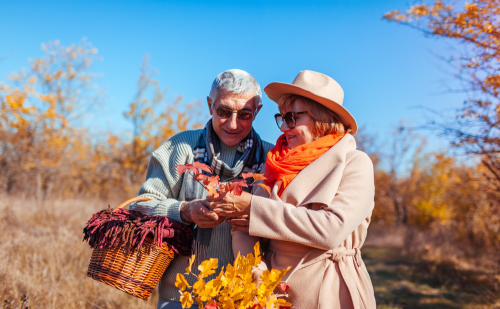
(196, 211)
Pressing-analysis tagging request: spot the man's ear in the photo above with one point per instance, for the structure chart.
(209, 102)
(258, 109)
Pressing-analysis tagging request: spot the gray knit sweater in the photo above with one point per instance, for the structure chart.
(165, 186)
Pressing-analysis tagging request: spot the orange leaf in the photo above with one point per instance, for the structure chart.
(211, 189)
(201, 177)
(203, 167)
(224, 188)
(214, 181)
(266, 188)
(237, 186)
(182, 168)
(258, 177)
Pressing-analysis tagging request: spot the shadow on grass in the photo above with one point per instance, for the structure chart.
(400, 282)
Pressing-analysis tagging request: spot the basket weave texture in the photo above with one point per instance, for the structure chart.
(135, 272)
(126, 272)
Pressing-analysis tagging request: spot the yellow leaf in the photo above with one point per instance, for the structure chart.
(186, 300)
(181, 282)
(200, 303)
(256, 249)
(191, 261)
(207, 268)
(199, 286)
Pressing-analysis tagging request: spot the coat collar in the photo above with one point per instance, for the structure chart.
(318, 182)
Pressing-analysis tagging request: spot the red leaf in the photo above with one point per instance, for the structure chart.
(282, 287)
(201, 177)
(202, 167)
(182, 168)
(255, 305)
(214, 181)
(237, 185)
(224, 188)
(211, 305)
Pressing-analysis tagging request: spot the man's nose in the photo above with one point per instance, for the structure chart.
(233, 122)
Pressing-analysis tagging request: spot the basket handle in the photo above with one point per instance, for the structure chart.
(132, 200)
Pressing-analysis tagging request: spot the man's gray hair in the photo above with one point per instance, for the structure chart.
(235, 81)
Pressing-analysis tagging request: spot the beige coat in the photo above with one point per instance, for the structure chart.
(318, 227)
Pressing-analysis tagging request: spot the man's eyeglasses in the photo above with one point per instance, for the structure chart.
(289, 118)
(226, 112)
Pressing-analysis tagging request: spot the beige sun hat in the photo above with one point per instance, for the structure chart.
(318, 87)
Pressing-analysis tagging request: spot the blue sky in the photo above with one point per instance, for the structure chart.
(385, 69)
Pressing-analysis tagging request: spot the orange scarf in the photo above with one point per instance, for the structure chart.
(283, 164)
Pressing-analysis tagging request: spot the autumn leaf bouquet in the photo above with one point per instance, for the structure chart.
(234, 287)
(212, 183)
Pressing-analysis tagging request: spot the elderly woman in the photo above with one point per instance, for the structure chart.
(322, 196)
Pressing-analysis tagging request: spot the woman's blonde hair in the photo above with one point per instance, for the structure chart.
(325, 121)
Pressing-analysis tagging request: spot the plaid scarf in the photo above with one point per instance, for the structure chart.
(250, 154)
(250, 157)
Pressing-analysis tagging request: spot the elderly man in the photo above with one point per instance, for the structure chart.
(230, 146)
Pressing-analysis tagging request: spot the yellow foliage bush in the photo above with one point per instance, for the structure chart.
(234, 287)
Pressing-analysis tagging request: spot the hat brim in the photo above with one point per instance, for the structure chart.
(276, 90)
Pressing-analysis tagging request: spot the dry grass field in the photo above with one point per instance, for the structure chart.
(44, 258)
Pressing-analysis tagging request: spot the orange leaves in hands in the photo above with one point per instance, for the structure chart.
(212, 183)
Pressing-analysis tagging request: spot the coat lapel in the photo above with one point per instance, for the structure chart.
(325, 172)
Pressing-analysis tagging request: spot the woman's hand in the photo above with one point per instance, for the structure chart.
(231, 205)
(240, 224)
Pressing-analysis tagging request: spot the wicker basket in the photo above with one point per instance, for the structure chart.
(126, 272)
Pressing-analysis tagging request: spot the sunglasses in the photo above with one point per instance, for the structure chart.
(289, 118)
(226, 112)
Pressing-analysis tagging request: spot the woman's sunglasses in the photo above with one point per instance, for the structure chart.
(289, 118)
(226, 112)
